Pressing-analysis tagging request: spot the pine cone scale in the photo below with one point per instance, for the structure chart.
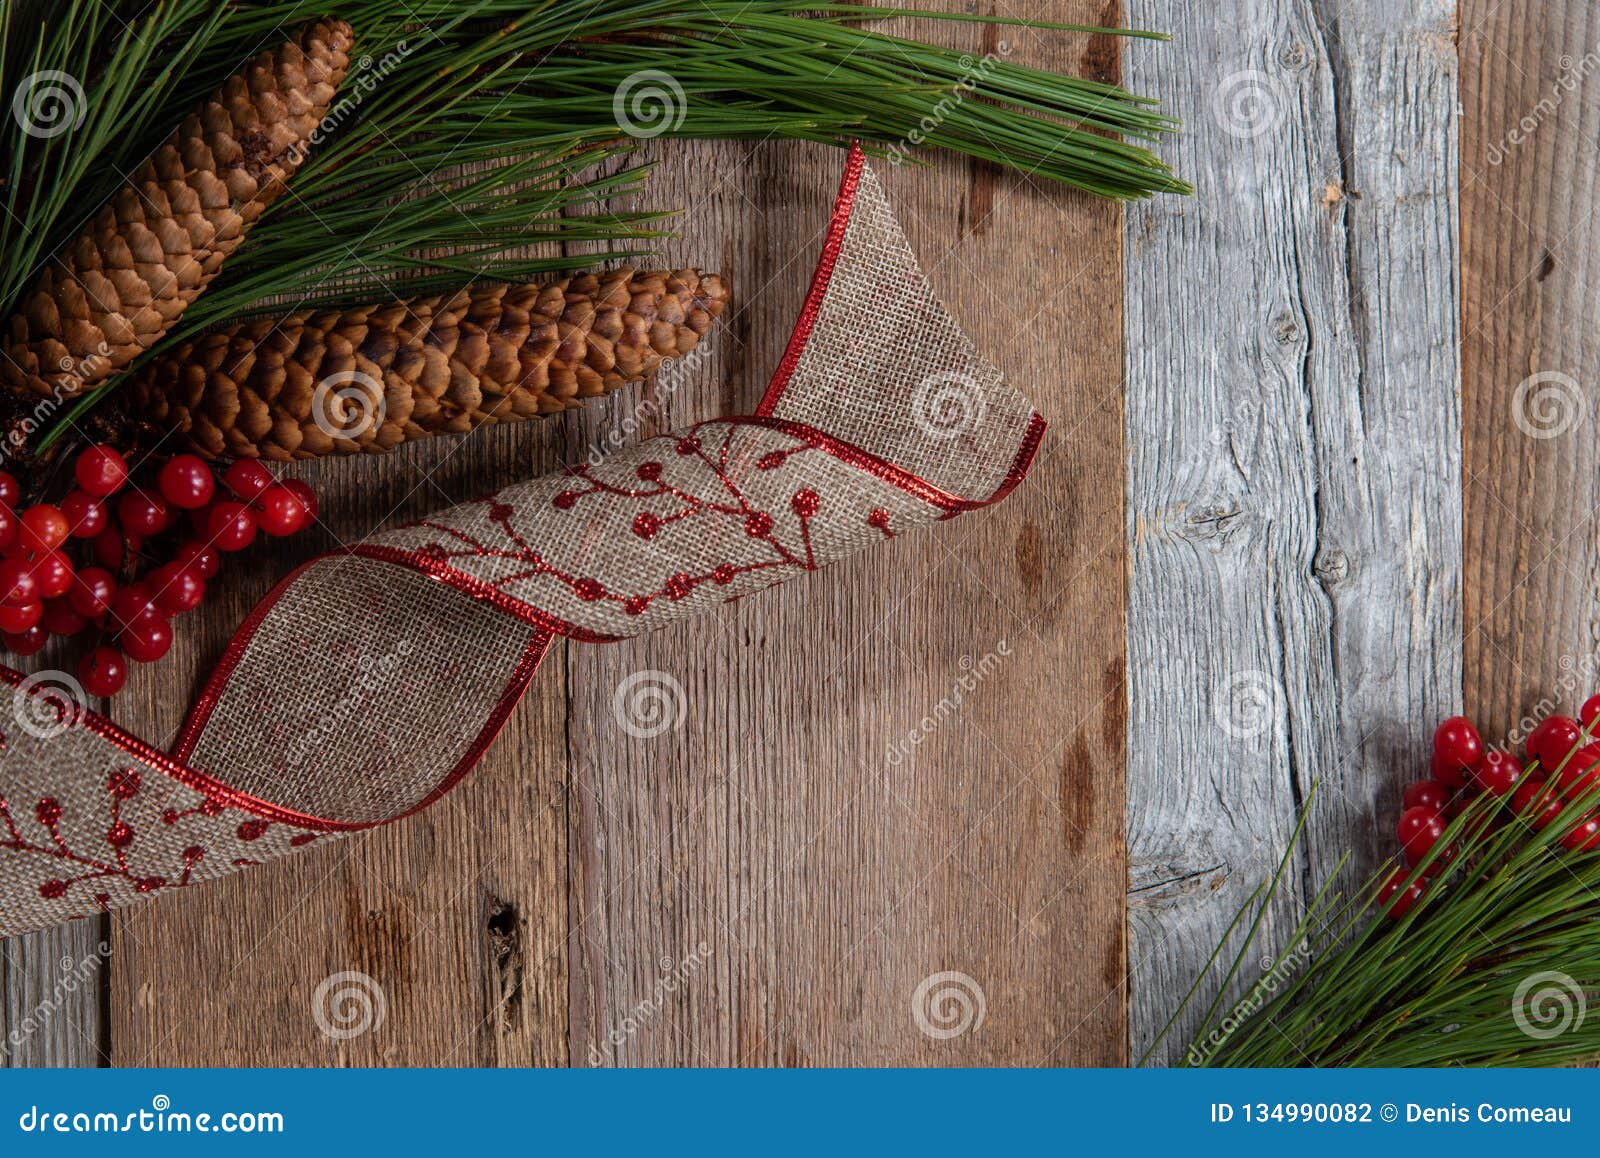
(114, 291)
(435, 365)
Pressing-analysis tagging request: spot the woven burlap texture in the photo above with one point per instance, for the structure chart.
(373, 679)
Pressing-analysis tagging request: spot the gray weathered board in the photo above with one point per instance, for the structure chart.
(1293, 433)
(1293, 520)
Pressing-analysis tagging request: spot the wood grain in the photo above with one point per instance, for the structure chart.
(553, 909)
(1293, 441)
(1529, 78)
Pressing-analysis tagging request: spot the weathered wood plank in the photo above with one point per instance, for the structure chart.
(829, 878)
(1293, 432)
(1529, 75)
(827, 881)
(53, 982)
(452, 921)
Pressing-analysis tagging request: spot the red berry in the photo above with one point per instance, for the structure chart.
(132, 605)
(200, 558)
(1419, 830)
(101, 470)
(307, 497)
(53, 572)
(231, 526)
(143, 514)
(1499, 772)
(107, 548)
(278, 511)
(17, 582)
(60, 619)
(186, 482)
(10, 525)
(177, 589)
(1589, 712)
(1581, 773)
(1584, 836)
(247, 478)
(103, 671)
(93, 588)
(19, 617)
(1536, 802)
(146, 640)
(86, 515)
(1426, 794)
(10, 490)
(44, 528)
(1456, 739)
(1551, 741)
(1449, 771)
(1400, 897)
(27, 642)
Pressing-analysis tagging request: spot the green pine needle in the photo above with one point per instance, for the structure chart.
(1495, 966)
(478, 129)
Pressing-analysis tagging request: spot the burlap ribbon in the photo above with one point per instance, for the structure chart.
(308, 727)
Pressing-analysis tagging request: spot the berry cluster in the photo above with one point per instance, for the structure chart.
(142, 561)
(1562, 770)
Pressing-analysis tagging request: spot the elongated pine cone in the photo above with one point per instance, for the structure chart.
(369, 378)
(112, 292)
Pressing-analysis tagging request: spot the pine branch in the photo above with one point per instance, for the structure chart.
(467, 134)
(1493, 967)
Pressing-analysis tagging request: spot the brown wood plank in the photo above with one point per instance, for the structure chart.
(457, 915)
(828, 882)
(1531, 265)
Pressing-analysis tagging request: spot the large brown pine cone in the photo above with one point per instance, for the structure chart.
(369, 378)
(111, 293)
